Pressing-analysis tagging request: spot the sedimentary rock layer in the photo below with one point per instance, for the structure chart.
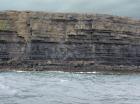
(68, 42)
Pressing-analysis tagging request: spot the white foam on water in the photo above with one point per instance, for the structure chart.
(88, 72)
(19, 71)
(91, 72)
(56, 71)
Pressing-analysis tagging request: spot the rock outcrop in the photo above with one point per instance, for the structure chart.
(68, 41)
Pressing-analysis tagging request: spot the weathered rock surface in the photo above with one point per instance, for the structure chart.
(68, 42)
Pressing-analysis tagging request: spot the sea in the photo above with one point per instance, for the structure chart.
(54, 87)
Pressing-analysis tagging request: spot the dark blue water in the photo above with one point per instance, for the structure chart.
(69, 88)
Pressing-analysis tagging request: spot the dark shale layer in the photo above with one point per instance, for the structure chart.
(68, 42)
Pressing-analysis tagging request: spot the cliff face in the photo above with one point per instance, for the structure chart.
(69, 42)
